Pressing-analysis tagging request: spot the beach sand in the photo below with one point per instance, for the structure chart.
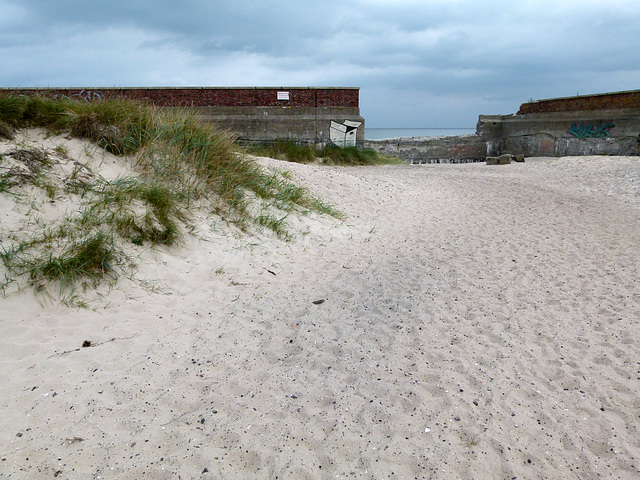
(462, 322)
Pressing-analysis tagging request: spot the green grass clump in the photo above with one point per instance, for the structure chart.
(6, 131)
(179, 162)
(117, 125)
(12, 111)
(328, 155)
(286, 150)
(352, 156)
(136, 211)
(52, 256)
(91, 257)
(277, 225)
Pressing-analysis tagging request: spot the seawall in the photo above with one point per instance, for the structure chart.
(554, 134)
(421, 150)
(313, 115)
(603, 124)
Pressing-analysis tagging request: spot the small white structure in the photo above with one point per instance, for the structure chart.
(344, 134)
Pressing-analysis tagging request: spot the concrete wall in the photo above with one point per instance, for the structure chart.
(605, 124)
(315, 115)
(582, 103)
(597, 132)
(298, 124)
(420, 150)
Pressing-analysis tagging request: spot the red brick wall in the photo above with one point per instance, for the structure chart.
(606, 101)
(206, 96)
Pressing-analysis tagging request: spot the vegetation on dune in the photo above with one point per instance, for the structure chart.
(328, 155)
(179, 162)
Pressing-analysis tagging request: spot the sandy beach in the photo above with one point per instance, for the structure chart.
(462, 322)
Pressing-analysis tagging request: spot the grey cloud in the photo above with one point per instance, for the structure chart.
(459, 57)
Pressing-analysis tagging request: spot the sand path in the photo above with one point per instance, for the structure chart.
(477, 322)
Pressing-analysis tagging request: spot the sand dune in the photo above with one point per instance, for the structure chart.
(464, 321)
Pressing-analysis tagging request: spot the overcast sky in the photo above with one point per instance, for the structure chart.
(418, 63)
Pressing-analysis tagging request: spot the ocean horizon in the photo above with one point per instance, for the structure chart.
(384, 133)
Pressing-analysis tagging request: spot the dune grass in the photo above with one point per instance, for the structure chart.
(179, 162)
(328, 155)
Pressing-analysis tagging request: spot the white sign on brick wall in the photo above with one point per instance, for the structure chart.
(283, 95)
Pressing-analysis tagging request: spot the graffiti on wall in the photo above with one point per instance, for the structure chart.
(83, 95)
(589, 130)
(89, 95)
(344, 134)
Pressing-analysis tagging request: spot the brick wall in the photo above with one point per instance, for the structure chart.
(605, 101)
(208, 96)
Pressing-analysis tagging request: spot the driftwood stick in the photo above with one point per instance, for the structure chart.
(88, 343)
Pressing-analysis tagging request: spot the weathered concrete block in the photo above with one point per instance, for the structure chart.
(501, 160)
(518, 158)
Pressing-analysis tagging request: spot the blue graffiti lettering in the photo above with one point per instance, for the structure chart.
(589, 130)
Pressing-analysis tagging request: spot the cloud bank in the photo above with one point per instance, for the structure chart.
(436, 63)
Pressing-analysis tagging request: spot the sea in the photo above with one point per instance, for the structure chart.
(383, 133)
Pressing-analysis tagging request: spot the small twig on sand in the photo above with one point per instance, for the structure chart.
(74, 440)
(175, 419)
(88, 343)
